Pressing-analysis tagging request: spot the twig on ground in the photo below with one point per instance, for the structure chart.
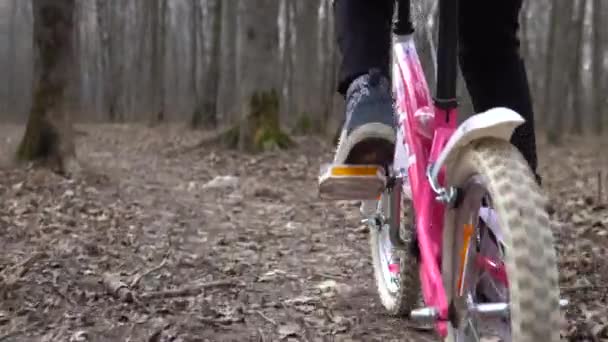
(187, 291)
(63, 295)
(599, 187)
(300, 321)
(57, 331)
(210, 139)
(591, 332)
(330, 276)
(266, 318)
(117, 288)
(157, 335)
(138, 276)
(25, 266)
(583, 287)
(12, 334)
(216, 322)
(328, 314)
(18, 271)
(183, 292)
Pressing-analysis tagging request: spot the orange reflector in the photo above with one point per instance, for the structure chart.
(466, 239)
(354, 171)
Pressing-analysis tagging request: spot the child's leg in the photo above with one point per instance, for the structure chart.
(492, 67)
(363, 29)
(364, 37)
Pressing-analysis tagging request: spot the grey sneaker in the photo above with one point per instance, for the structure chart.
(368, 135)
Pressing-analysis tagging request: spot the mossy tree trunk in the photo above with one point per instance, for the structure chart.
(258, 80)
(48, 135)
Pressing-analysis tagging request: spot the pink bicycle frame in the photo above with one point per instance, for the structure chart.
(415, 153)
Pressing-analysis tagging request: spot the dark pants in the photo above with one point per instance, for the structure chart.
(489, 57)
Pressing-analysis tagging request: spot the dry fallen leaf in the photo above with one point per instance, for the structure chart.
(288, 330)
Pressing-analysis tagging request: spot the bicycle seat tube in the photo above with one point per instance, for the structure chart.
(403, 24)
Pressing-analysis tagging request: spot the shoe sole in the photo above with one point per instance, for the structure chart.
(370, 144)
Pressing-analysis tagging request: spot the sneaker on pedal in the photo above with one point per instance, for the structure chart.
(368, 135)
(367, 142)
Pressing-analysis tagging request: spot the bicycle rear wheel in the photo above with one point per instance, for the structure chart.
(499, 263)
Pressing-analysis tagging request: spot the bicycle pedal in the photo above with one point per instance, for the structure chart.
(351, 182)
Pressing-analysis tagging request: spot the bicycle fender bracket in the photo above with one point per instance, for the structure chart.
(496, 123)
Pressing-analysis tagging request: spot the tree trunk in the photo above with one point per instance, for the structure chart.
(158, 27)
(195, 22)
(286, 36)
(257, 57)
(575, 81)
(108, 100)
(334, 103)
(12, 74)
(227, 83)
(549, 62)
(305, 115)
(210, 96)
(48, 136)
(558, 58)
(599, 97)
(523, 19)
(323, 56)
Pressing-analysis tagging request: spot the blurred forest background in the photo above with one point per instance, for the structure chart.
(186, 61)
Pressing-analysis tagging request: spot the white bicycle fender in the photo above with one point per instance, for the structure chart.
(497, 123)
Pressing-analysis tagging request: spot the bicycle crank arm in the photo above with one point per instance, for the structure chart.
(498, 309)
(431, 315)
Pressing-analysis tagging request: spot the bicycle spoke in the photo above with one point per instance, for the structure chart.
(473, 330)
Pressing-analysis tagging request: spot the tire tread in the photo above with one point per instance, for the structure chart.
(531, 259)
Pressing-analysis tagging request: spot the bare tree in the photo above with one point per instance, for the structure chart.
(210, 95)
(558, 56)
(12, 49)
(160, 60)
(227, 107)
(258, 82)
(49, 134)
(195, 30)
(575, 78)
(599, 95)
(158, 27)
(109, 70)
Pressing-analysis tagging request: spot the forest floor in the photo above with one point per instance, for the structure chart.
(159, 241)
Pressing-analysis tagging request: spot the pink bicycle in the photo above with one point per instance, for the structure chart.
(458, 220)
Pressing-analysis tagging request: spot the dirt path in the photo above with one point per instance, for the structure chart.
(209, 245)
